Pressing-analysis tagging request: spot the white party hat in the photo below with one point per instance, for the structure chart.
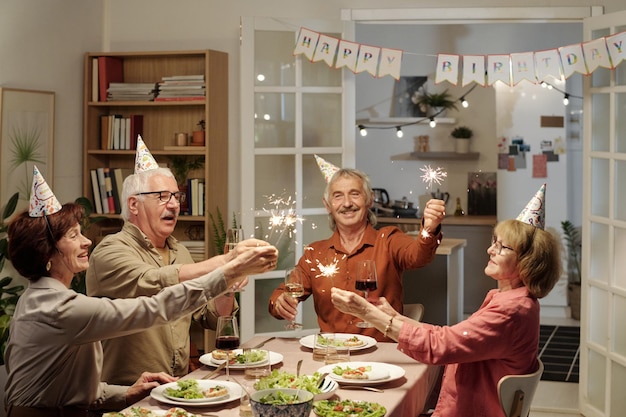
(144, 161)
(328, 169)
(535, 211)
(42, 201)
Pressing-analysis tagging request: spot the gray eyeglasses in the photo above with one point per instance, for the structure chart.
(499, 246)
(166, 196)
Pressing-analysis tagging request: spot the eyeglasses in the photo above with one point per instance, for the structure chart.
(499, 246)
(166, 196)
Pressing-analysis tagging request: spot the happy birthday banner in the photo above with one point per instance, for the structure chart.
(584, 58)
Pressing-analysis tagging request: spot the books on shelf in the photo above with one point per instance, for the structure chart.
(195, 197)
(110, 70)
(181, 88)
(120, 91)
(107, 184)
(120, 133)
(195, 248)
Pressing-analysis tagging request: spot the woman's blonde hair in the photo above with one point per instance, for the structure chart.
(538, 255)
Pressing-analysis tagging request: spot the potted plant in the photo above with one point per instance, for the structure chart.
(436, 104)
(574, 273)
(197, 136)
(462, 135)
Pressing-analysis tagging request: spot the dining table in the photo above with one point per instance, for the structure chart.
(403, 396)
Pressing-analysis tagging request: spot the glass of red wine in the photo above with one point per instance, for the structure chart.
(366, 281)
(227, 338)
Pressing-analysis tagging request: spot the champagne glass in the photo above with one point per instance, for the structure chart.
(227, 337)
(233, 236)
(293, 288)
(366, 281)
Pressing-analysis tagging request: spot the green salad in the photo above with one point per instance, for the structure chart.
(249, 357)
(280, 398)
(348, 408)
(187, 389)
(282, 379)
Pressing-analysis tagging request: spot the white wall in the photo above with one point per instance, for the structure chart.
(41, 47)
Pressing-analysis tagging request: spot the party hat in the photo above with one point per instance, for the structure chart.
(535, 211)
(328, 169)
(42, 201)
(144, 161)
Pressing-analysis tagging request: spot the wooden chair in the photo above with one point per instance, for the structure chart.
(516, 392)
(414, 311)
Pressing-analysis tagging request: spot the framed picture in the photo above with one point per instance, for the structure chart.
(26, 139)
(405, 90)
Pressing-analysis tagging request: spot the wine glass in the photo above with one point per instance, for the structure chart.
(366, 281)
(227, 337)
(293, 288)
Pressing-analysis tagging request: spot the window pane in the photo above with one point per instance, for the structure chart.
(601, 76)
(620, 190)
(274, 176)
(619, 277)
(620, 123)
(600, 187)
(598, 313)
(320, 74)
(597, 374)
(599, 259)
(274, 120)
(620, 71)
(265, 322)
(316, 229)
(600, 115)
(321, 120)
(619, 336)
(274, 60)
(618, 381)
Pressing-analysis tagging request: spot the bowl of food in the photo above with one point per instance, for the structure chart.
(281, 402)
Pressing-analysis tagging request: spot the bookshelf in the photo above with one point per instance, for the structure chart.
(162, 120)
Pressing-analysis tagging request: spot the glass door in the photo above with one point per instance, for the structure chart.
(291, 109)
(603, 338)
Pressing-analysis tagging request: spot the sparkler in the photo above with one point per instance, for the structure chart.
(283, 217)
(431, 176)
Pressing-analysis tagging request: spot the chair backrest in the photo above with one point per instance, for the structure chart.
(414, 311)
(516, 392)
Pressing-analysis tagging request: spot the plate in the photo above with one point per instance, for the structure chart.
(207, 359)
(309, 341)
(380, 374)
(234, 393)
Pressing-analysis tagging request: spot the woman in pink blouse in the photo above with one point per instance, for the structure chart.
(499, 339)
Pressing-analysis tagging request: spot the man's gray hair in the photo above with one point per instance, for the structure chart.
(367, 189)
(138, 183)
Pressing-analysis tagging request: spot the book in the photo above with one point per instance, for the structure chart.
(110, 69)
(103, 191)
(183, 148)
(194, 196)
(118, 176)
(117, 131)
(201, 197)
(94, 79)
(97, 202)
(136, 129)
(108, 185)
(187, 98)
(104, 131)
(117, 190)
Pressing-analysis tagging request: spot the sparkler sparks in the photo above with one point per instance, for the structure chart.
(327, 270)
(283, 217)
(431, 176)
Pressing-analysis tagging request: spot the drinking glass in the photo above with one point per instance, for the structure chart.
(227, 337)
(366, 281)
(293, 288)
(233, 236)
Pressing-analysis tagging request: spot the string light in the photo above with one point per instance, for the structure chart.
(432, 121)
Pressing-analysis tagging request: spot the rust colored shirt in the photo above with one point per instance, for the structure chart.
(391, 249)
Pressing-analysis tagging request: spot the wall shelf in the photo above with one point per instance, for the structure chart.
(434, 156)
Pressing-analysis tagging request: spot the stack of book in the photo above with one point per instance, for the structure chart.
(120, 132)
(181, 88)
(195, 197)
(195, 248)
(131, 91)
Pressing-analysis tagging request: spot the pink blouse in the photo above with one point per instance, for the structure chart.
(499, 339)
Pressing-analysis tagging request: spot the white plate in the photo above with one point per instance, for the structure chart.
(234, 393)
(309, 341)
(207, 359)
(380, 373)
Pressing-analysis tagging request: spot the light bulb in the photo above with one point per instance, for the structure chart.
(399, 132)
(362, 130)
(566, 99)
(464, 103)
(432, 122)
